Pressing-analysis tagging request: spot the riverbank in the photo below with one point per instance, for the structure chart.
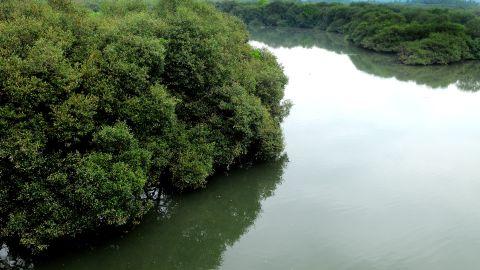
(416, 35)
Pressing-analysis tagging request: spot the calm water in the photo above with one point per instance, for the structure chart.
(383, 172)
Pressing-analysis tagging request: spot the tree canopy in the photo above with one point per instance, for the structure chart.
(104, 101)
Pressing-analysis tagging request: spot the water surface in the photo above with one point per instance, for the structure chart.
(382, 173)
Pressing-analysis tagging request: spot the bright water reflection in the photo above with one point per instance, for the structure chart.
(466, 75)
(383, 174)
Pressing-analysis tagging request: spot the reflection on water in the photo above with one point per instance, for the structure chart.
(382, 175)
(465, 75)
(188, 232)
(383, 171)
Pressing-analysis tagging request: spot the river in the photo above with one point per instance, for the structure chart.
(380, 172)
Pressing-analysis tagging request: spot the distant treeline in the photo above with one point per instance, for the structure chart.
(443, 3)
(419, 36)
(449, 3)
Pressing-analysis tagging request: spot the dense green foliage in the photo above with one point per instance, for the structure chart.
(97, 107)
(417, 35)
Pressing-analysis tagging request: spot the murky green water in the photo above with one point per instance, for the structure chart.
(382, 173)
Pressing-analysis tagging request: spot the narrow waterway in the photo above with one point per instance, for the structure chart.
(381, 171)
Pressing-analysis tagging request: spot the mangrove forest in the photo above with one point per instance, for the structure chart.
(231, 135)
(104, 102)
(417, 35)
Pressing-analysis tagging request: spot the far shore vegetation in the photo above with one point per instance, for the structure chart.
(418, 35)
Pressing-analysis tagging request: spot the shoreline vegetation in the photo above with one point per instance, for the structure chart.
(416, 35)
(465, 75)
(104, 102)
